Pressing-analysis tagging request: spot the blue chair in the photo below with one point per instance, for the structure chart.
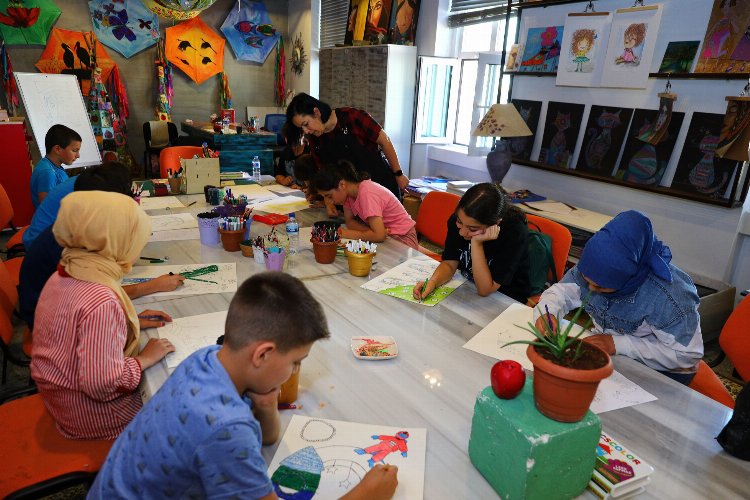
(273, 123)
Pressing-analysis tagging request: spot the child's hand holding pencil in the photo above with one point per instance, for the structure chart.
(423, 290)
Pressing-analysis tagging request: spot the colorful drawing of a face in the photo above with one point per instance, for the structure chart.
(584, 45)
(353, 17)
(404, 16)
(376, 9)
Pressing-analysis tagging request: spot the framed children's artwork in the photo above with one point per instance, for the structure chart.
(378, 21)
(560, 133)
(603, 139)
(584, 45)
(631, 47)
(735, 132)
(679, 56)
(644, 163)
(542, 49)
(726, 46)
(513, 60)
(403, 27)
(654, 134)
(700, 171)
(530, 111)
(355, 24)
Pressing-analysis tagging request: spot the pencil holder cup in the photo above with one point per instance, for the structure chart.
(231, 239)
(290, 389)
(246, 247)
(208, 223)
(359, 263)
(275, 261)
(214, 196)
(175, 185)
(258, 255)
(325, 252)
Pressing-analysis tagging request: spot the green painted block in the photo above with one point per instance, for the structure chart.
(525, 455)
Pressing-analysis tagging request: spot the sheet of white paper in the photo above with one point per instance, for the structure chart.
(173, 221)
(223, 280)
(283, 205)
(175, 234)
(279, 189)
(160, 202)
(190, 334)
(255, 193)
(338, 452)
(399, 282)
(617, 392)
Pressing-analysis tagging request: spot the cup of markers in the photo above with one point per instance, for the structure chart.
(232, 232)
(325, 240)
(359, 254)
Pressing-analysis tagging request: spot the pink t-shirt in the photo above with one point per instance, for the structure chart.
(373, 200)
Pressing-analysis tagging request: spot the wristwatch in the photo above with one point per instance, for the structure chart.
(398, 173)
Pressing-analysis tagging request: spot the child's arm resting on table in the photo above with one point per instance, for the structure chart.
(374, 230)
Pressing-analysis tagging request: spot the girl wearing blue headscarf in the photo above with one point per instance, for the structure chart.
(642, 306)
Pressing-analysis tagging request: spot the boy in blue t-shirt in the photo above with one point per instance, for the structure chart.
(201, 434)
(63, 146)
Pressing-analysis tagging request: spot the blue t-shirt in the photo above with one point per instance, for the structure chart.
(39, 263)
(45, 176)
(195, 438)
(46, 212)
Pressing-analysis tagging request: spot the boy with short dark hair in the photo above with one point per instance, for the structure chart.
(63, 146)
(201, 433)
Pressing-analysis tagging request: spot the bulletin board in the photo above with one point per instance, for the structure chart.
(50, 99)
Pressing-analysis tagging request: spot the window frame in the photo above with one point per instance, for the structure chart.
(425, 62)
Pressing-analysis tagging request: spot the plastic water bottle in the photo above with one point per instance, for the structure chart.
(292, 232)
(256, 170)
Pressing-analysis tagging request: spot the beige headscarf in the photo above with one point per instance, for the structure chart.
(102, 234)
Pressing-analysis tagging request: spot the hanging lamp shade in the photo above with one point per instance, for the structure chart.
(249, 32)
(177, 10)
(196, 49)
(126, 26)
(27, 22)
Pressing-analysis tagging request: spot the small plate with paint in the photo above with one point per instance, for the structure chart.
(374, 348)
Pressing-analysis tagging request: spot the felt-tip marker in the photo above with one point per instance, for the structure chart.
(284, 406)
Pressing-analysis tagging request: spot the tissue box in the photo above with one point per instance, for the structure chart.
(199, 172)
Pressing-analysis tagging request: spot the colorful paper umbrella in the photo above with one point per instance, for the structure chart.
(67, 52)
(126, 26)
(196, 49)
(250, 33)
(27, 22)
(177, 10)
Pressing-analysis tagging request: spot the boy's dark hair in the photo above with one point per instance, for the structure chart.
(488, 203)
(60, 135)
(291, 134)
(276, 307)
(304, 168)
(304, 104)
(112, 176)
(329, 177)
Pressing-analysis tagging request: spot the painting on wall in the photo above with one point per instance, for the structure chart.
(583, 47)
(679, 56)
(403, 27)
(542, 49)
(560, 133)
(378, 19)
(631, 47)
(530, 112)
(603, 139)
(700, 171)
(726, 46)
(735, 132)
(644, 163)
(355, 24)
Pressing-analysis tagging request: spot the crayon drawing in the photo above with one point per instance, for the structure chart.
(542, 49)
(222, 280)
(530, 112)
(399, 282)
(191, 334)
(560, 133)
(583, 47)
(631, 47)
(603, 139)
(324, 459)
(679, 56)
(726, 45)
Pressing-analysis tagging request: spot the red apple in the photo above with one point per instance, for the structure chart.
(507, 378)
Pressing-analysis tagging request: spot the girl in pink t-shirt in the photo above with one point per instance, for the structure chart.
(371, 211)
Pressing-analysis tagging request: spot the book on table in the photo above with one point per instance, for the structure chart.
(618, 472)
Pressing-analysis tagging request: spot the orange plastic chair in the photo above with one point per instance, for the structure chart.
(15, 242)
(734, 339)
(169, 158)
(40, 460)
(6, 335)
(708, 383)
(561, 241)
(432, 218)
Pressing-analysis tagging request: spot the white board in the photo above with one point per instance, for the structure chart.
(50, 99)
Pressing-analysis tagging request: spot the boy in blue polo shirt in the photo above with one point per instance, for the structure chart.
(63, 146)
(201, 434)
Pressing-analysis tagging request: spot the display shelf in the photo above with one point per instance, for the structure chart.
(671, 76)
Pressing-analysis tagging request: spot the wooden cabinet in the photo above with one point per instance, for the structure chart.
(15, 171)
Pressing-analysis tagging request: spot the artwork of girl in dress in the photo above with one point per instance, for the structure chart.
(404, 22)
(633, 38)
(542, 49)
(580, 46)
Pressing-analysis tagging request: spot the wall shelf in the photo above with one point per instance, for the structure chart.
(672, 76)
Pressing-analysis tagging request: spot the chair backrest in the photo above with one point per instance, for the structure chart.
(561, 240)
(434, 212)
(8, 291)
(274, 122)
(149, 131)
(708, 383)
(169, 158)
(6, 208)
(734, 339)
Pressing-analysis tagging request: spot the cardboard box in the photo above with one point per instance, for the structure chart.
(199, 172)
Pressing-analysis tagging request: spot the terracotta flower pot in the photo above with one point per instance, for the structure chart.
(565, 394)
(325, 253)
(231, 239)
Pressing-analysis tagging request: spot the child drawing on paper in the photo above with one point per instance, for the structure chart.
(633, 39)
(386, 446)
(580, 46)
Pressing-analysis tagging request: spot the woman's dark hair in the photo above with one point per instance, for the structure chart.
(304, 104)
(487, 203)
(329, 177)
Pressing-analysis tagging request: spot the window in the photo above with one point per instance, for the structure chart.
(333, 17)
(436, 101)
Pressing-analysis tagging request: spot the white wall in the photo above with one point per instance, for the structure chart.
(301, 20)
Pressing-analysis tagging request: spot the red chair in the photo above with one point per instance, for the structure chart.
(561, 241)
(432, 218)
(15, 242)
(708, 383)
(169, 158)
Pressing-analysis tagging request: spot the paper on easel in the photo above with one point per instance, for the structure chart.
(190, 334)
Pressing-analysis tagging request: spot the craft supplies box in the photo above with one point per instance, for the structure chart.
(199, 172)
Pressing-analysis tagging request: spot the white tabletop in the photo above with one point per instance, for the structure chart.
(433, 382)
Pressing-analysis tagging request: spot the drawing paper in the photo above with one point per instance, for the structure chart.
(225, 278)
(160, 202)
(190, 334)
(254, 192)
(542, 49)
(173, 221)
(584, 45)
(631, 47)
(175, 235)
(283, 205)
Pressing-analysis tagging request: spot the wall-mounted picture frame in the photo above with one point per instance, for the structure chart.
(530, 111)
(403, 26)
(584, 45)
(561, 127)
(542, 49)
(603, 138)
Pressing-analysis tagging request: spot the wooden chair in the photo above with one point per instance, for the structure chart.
(561, 241)
(169, 158)
(153, 148)
(432, 218)
(15, 242)
(40, 461)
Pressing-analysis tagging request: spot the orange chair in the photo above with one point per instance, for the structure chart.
(432, 218)
(561, 241)
(735, 339)
(708, 383)
(40, 461)
(15, 243)
(169, 158)
(6, 335)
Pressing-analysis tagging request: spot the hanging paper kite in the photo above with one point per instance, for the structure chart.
(126, 26)
(250, 32)
(177, 10)
(196, 49)
(27, 22)
(68, 52)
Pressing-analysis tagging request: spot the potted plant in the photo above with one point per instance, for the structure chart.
(567, 371)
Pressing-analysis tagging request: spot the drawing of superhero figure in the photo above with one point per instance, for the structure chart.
(387, 445)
